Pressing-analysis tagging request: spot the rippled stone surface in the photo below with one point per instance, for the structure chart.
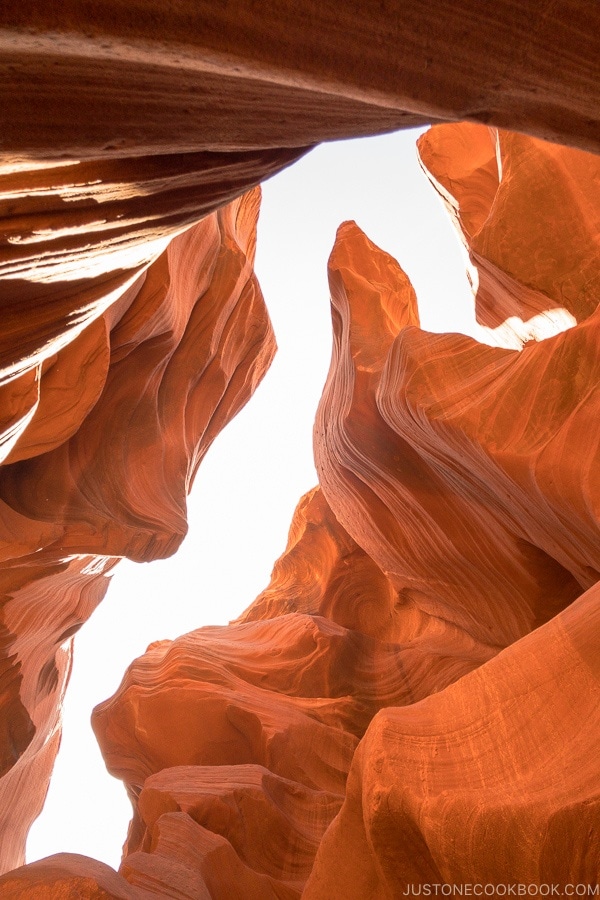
(491, 782)
(414, 696)
(177, 77)
(514, 200)
(161, 369)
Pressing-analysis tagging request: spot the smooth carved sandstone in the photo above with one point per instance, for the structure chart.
(494, 781)
(457, 514)
(427, 646)
(249, 731)
(323, 572)
(77, 235)
(430, 471)
(196, 329)
(504, 193)
(427, 630)
(403, 481)
(162, 370)
(44, 602)
(179, 77)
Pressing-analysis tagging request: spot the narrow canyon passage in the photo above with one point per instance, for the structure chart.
(413, 698)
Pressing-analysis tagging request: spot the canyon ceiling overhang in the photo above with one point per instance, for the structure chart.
(115, 78)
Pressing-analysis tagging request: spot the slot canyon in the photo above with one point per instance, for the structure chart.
(414, 698)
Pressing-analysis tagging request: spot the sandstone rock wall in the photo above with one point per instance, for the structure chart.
(150, 76)
(104, 436)
(430, 635)
(414, 697)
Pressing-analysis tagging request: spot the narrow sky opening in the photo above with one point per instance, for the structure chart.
(252, 478)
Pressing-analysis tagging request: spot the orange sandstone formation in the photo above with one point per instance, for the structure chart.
(45, 599)
(492, 782)
(160, 367)
(422, 630)
(323, 572)
(195, 317)
(398, 474)
(77, 235)
(470, 474)
(414, 698)
(116, 79)
(502, 190)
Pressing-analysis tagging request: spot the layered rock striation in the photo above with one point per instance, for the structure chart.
(502, 190)
(160, 364)
(114, 80)
(414, 697)
(494, 781)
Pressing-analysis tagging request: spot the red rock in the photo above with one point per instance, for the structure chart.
(489, 179)
(68, 875)
(249, 731)
(161, 78)
(198, 316)
(323, 572)
(407, 488)
(459, 511)
(434, 576)
(45, 601)
(162, 370)
(493, 781)
(77, 235)
(270, 826)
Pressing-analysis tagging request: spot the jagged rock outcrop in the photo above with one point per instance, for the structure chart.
(414, 698)
(161, 366)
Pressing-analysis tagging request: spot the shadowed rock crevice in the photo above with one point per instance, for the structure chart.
(18, 729)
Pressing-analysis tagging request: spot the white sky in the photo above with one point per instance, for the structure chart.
(248, 486)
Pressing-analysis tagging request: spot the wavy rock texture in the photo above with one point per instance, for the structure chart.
(414, 698)
(432, 626)
(77, 235)
(491, 181)
(244, 735)
(162, 369)
(399, 477)
(494, 781)
(196, 316)
(471, 475)
(178, 77)
(323, 572)
(458, 512)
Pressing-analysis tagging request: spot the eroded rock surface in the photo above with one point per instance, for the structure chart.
(177, 77)
(494, 781)
(414, 697)
(434, 573)
(160, 366)
(502, 190)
